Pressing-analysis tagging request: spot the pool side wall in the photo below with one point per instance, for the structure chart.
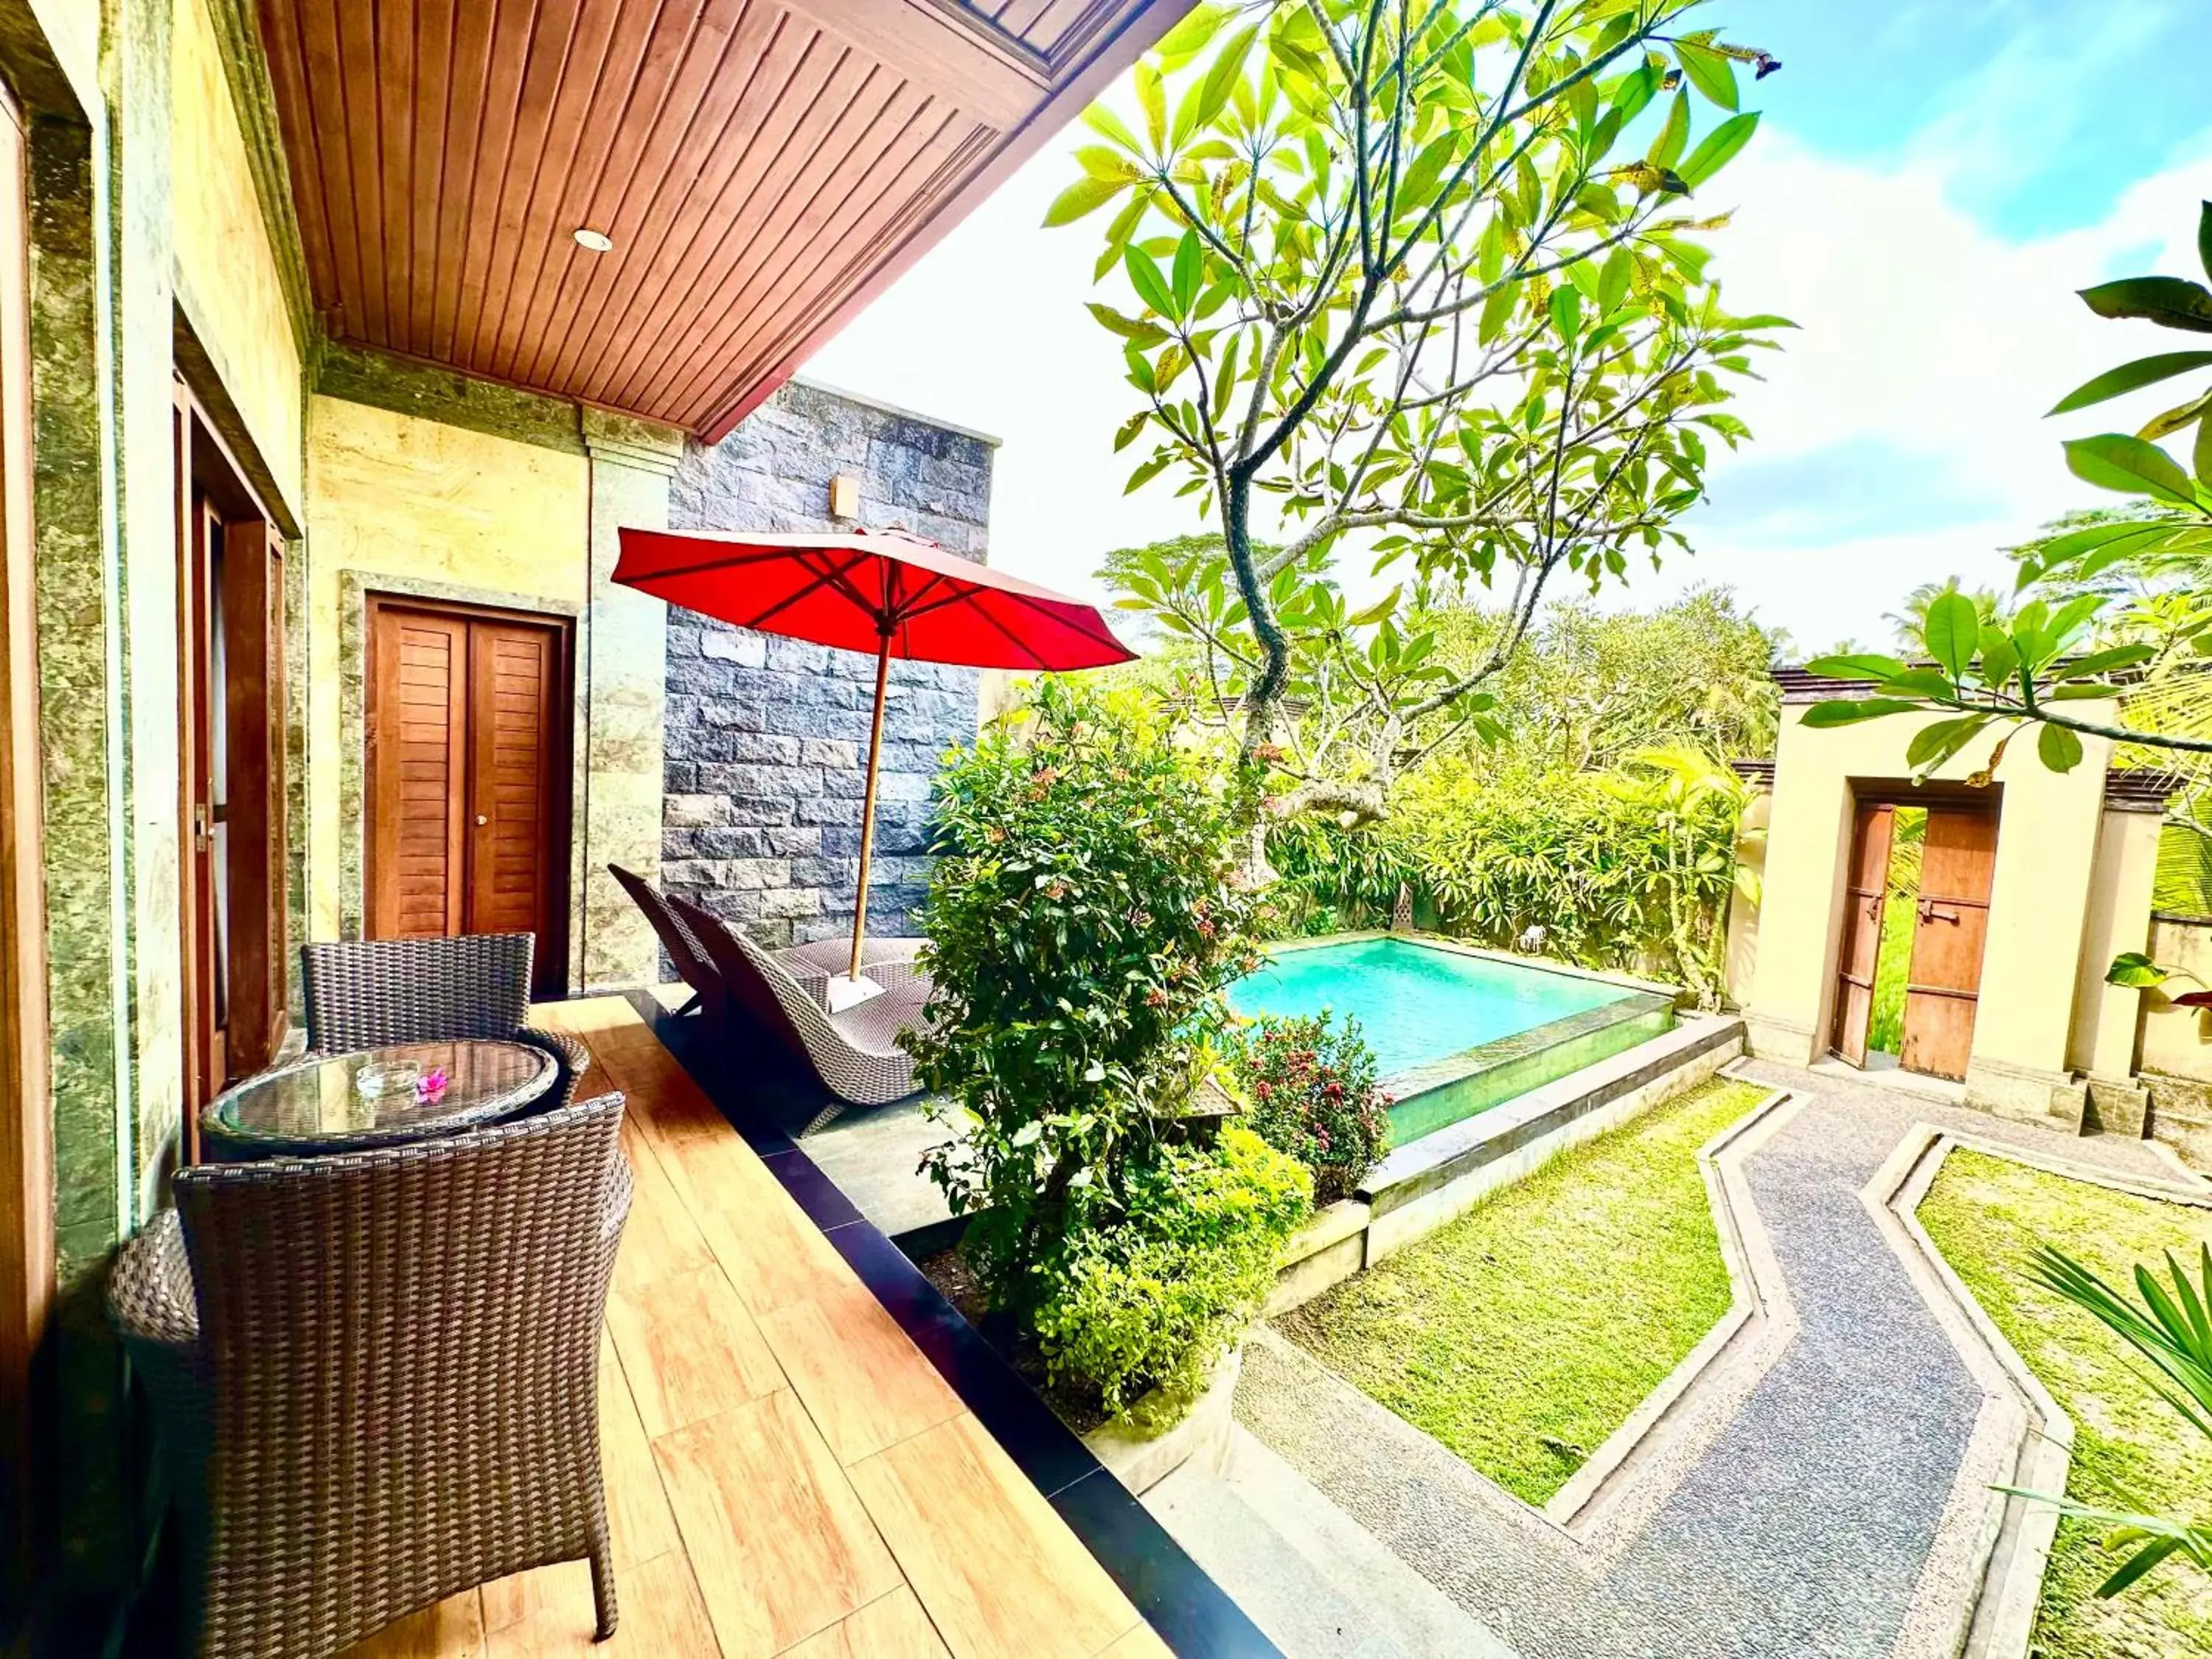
(1435, 1096)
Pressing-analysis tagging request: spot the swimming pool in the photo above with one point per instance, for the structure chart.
(1455, 1032)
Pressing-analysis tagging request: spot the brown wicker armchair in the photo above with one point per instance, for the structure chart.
(369, 993)
(375, 1374)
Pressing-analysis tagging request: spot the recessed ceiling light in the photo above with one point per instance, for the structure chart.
(598, 240)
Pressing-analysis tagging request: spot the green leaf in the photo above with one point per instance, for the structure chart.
(1856, 667)
(2169, 301)
(2061, 750)
(1708, 71)
(2139, 1564)
(1152, 99)
(1919, 683)
(1190, 272)
(1221, 78)
(2104, 661)
(2144, 371)
(1145, 275)
(1614, 281)
(2204, 236)
(2112, 460)
(1087, 195)
(1850, 711)
(1954, 632)
(1936, 742)
(2000, 658)
(1189, 38)
(1497, 310)
(1102, 120)
(2135, 971)
(1673, 134)
(1567, 307)
(1129, 328)
(1718, 150)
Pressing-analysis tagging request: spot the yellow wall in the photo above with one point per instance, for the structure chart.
(2040, 898)
(2106, 1016)
(226, 274)
(390, 495)
(2179, 1040)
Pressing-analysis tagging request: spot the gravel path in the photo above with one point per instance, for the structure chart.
(1801, 1533)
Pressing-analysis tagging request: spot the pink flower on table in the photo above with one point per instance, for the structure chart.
(431, 1085)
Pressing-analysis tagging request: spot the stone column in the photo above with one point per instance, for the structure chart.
(621, 685)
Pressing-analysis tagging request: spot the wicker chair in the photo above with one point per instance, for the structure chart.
(375, 1374)
(856, 1053)
(366, 994)
(693, 965)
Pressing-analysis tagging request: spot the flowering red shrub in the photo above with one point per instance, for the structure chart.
(1310, 1092)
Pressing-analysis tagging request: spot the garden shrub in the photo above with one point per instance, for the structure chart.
(1311, 1090)
(1629, 870)
(1142, 1310)
(1080, 926)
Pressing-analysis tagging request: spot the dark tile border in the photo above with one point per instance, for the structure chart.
(1188, 1610)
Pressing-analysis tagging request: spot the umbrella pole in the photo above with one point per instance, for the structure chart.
(868, 806)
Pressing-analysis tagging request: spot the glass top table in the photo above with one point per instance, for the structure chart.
(378, 1097)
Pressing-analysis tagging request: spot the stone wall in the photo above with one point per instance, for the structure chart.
(767, 737)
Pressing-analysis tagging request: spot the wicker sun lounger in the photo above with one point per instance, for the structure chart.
(856, 1053)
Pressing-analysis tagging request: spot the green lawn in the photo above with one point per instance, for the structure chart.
(1525, 1333)
(2131, 1450)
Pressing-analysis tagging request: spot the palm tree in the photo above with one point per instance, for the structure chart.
(1910, 623)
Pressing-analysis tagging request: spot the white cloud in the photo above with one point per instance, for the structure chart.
(1922, 332)
(1925, 334)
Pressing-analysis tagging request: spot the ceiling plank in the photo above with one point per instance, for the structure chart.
(1138, 28)
(806, 149)
(760, 165)
(693, 125)
(951, 52)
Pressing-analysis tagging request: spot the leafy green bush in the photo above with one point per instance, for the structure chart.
(1080, 926)
(1310, 1092)
(1627, 870)
(1152, 1303)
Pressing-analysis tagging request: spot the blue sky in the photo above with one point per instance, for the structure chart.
(1932, 179)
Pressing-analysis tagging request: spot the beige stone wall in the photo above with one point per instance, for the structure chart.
(426, 507)
(2179, 1040)
(227, 276)
(2040, 898)
(1740, 967)
(2103, 1041)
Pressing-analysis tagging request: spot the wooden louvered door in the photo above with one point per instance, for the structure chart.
(468, 774)
(1957, 868)
(1865, 884)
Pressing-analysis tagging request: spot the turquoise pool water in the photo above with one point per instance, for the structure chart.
(1416, 1004)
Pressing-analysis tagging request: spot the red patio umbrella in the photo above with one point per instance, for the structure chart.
(862, 590)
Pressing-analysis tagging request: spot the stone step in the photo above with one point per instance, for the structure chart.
(1320, 1584)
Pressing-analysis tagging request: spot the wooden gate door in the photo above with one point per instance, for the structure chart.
(1941, 995)
(1866, 881)
(468, 777)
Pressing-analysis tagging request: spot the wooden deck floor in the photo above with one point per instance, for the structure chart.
(786, 1473)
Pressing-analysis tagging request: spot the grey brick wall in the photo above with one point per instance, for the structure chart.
(767, 737)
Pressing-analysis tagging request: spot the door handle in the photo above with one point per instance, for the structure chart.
(484, 818)
(1932, 912)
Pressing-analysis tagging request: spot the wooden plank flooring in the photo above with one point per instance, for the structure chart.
(786, 1474)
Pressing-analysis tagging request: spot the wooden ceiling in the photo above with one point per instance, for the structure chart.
(764, 167)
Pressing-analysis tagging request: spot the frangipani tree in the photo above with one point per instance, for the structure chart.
(1398, 274)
